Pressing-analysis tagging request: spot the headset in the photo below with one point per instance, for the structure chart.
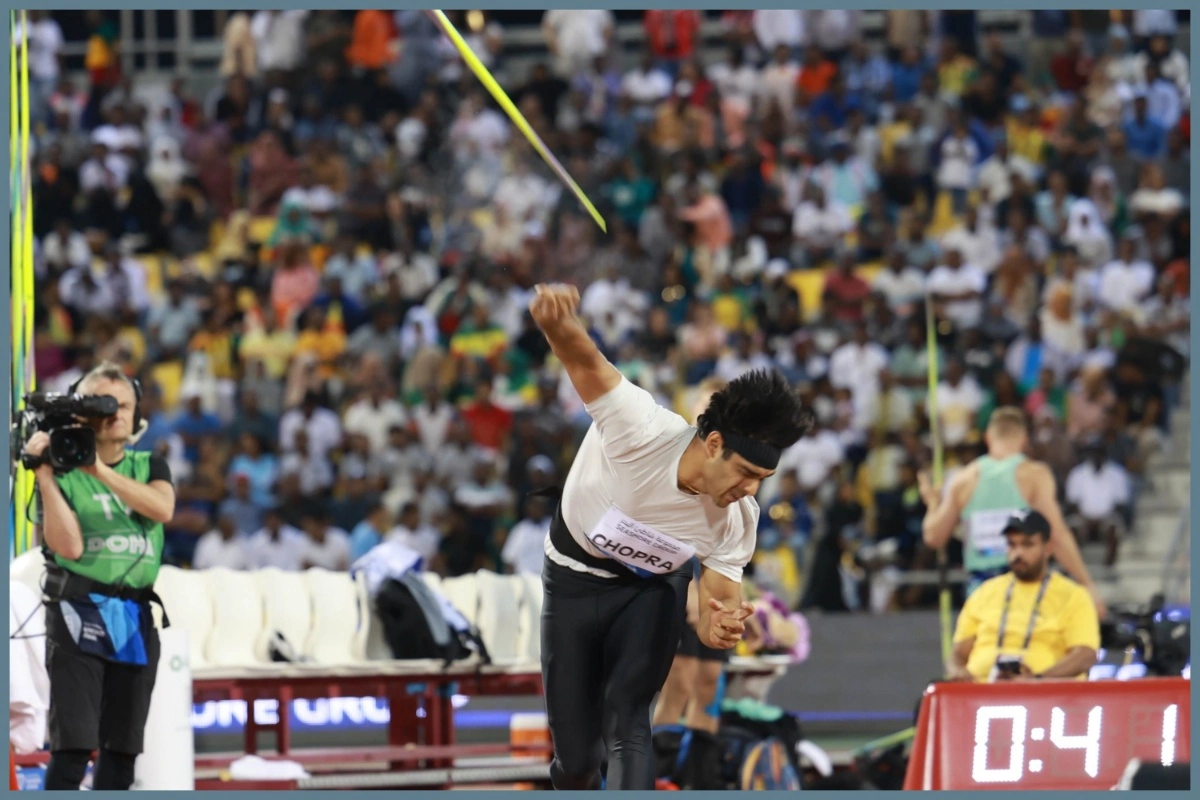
(139, 424)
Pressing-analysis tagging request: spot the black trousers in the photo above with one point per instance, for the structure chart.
(607, 646)
(94, 703)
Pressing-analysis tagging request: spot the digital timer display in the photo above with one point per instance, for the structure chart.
(1047, 734)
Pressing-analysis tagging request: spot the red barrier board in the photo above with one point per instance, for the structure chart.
(1047, 734)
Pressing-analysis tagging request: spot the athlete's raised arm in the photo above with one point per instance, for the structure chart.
(553, 308)
(942, 510)
(1044, 499)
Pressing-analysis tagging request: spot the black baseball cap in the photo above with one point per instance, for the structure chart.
(1029, 522)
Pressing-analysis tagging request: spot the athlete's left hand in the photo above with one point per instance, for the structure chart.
(726, 625)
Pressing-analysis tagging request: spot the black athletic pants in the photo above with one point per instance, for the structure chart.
(607, 646)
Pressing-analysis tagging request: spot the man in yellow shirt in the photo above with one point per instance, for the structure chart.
(1029, 623)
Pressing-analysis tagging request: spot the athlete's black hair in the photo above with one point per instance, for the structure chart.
(759, 405)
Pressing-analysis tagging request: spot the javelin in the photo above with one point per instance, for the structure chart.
(935, 433)
(481, 72)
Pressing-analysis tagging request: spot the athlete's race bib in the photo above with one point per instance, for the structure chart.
(986, 531)
(638, 547)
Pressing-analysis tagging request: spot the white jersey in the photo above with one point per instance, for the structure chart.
(627, 468)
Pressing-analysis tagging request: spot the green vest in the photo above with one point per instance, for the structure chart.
(995, 499)
(120, 546)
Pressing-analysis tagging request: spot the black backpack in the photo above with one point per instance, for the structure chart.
(415, 627)
(739, 734)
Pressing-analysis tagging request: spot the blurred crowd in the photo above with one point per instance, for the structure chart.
(321, 268)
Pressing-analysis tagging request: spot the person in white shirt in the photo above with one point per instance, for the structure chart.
(778, 81)
(324, 427)
(221, 547)
(996, 172)
(856, 366)
(522, 193)
(783, 27)
(1125, 281)
(735, 79)
(957, 171)
(1172, 63)
(958, 288)
(819, 226)
(276, 544)
(314, 472)
(45, 47)
(834, 31)
(525, 548)
(1154, 22)
(415, 535)
(374, 416)
(646, 494)
(901, 284)
(1087, 233)
(432, 419)
(327, 547)
(576, 37)
(1097, 492)
(976, 239)
(814, 457)
(959, 401)
(646, 85)
(279, 36)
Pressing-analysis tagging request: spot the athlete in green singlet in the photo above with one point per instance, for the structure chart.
(979, 500)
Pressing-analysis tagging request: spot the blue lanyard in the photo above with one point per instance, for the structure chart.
(1032, 616)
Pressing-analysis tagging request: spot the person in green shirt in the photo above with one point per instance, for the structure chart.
(101, 530)
(984, 494)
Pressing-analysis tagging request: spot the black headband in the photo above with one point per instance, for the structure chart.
(760, 454)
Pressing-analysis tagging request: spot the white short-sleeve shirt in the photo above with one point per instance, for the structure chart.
(630, 459)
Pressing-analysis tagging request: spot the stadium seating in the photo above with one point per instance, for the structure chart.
(326, 617)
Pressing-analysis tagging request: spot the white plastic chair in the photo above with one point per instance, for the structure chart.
(499, 614)
(336, 635)
(530, 635)
(287, 609)
(237, 618)
(463, 594)
(189, 604)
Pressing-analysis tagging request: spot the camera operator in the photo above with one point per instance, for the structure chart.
(102, 532)
(1029, 624)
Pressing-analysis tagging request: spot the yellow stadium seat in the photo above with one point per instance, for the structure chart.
(169, 377)
(205, 264)
(943, 216)
(318, 254)
(810, 286)
(151, 264)
(261, 229)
